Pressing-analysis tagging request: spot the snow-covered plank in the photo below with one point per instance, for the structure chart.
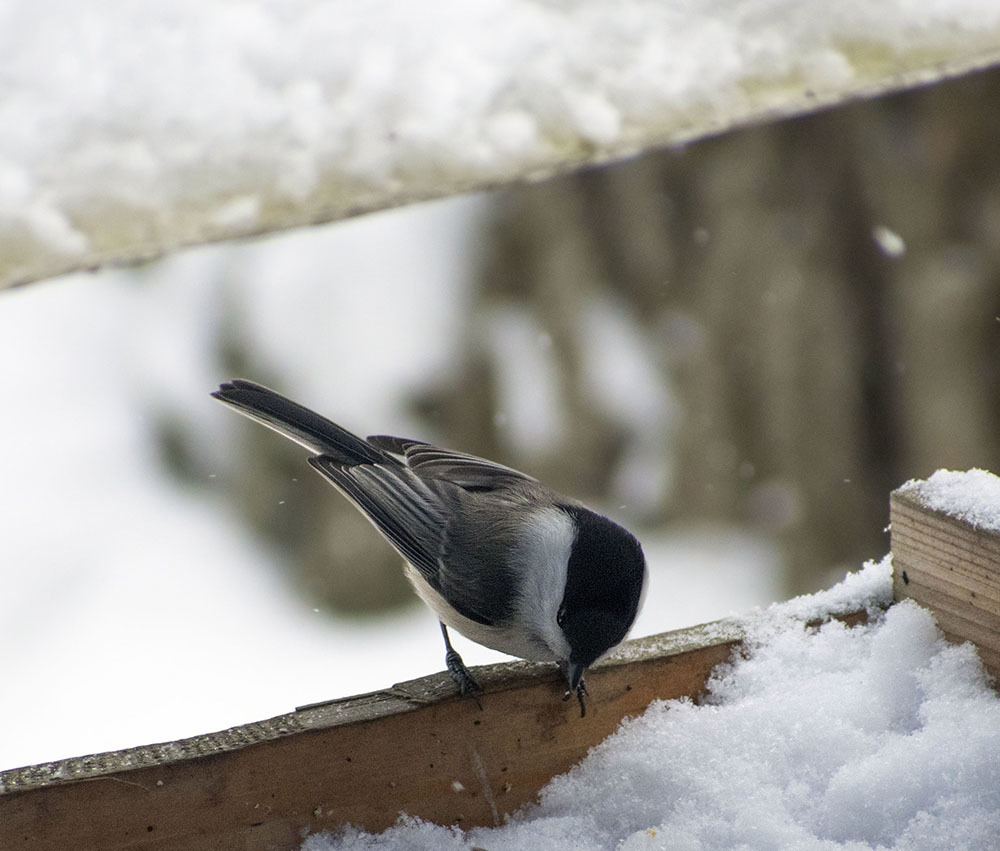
(946, 554)
(133, 128)
(415, 747)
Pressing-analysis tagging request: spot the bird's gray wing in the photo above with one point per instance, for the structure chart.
(436, 526)
(406, 510)
(416, 495)
(466, 471)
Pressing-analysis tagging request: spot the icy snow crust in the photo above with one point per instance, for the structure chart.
(883, 736)
(972, 496)
(135, 126)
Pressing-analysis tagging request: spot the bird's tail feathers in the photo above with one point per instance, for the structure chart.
(298, 423)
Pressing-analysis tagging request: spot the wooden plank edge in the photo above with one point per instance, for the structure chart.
(415, 747)
(400, 698)
(977, 550)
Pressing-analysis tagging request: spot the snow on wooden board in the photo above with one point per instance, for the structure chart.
(972, 496)
(876, 737)
(811, 736)
(414, 747)
(129, 129)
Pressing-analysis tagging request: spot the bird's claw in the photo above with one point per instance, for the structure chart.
(467, 685)
(581, 693)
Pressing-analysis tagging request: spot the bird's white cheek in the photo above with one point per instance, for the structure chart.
(543, 559)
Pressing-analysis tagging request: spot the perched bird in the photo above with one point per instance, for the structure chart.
(508, 562)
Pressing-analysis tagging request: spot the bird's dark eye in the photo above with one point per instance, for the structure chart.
(561, 615)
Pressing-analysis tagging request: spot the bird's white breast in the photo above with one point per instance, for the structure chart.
(540, 562)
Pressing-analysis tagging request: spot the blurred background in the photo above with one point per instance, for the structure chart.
(736, 349)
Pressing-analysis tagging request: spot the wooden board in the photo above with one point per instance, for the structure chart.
(952, 568)
(364, 760)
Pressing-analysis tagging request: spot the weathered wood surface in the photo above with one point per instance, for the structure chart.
(952, 568)
(413, 748)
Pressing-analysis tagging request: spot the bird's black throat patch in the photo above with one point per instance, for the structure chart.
(604, 582)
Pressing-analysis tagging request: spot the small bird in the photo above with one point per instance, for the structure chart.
(498, 556)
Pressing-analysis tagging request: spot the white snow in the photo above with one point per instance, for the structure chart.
(870, 738)
(890, 243)
(135, 126)
(972, 496)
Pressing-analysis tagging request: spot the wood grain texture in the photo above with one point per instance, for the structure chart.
(952, 568)
(414, 748)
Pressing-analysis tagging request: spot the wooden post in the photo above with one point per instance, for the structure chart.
(951, 566)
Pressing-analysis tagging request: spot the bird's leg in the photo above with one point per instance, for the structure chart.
(581, 693)
(581, 690)
(466, 683)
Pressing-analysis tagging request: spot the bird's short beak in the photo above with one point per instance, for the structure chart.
(574, 673)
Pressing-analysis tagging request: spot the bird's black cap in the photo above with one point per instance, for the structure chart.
(604, 582)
